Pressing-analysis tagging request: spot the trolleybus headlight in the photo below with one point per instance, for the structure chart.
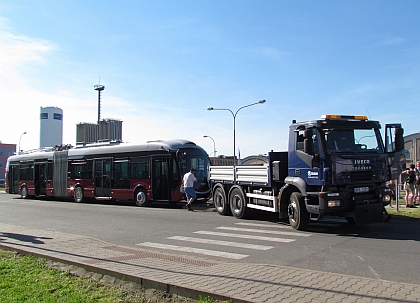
(333, 203)
(386, 198)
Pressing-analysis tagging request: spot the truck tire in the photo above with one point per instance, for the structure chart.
(237, 204)
(220, 203)
(350, 220)
(298, 215)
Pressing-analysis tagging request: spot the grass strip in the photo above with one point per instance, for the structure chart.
(27, 279)
(24, 278)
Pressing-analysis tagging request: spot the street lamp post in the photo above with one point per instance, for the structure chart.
(234, 129)
(24, 133)
(214, 149)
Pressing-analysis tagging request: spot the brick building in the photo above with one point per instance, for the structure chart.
(6, 150)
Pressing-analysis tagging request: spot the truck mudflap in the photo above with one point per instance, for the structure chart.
(368, 213)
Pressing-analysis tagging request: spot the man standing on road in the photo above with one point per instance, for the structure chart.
(189, 180)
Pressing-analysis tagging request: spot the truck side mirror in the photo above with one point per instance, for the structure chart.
(394, 138)
(399, 139)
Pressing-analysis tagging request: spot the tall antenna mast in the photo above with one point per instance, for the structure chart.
(99, 88)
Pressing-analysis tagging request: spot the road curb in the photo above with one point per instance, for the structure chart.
(121, 277)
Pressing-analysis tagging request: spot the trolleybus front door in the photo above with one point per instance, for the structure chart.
(103, 177)
(160, 178)
(13, 179)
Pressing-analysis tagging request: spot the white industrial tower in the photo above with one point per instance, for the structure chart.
(51, 127)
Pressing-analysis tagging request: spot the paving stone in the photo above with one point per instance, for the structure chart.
(240, 281)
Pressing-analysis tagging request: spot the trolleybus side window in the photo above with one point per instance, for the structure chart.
(81, 170)
(121, 175)
(139, 168)
(50, 171)
(26, 171)
(121, 168)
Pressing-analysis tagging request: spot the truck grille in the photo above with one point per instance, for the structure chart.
(358, 176)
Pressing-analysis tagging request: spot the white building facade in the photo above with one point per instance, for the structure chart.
(412, 144)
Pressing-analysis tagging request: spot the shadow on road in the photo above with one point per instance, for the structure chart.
(23, 238)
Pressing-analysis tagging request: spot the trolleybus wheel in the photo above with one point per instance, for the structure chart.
(78, 194)
(220, 203)
(140, 197)
(24, 192)
(238, 204)
(298, 215)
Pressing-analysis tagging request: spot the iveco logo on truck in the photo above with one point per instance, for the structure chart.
(361, 161)
(361, 164)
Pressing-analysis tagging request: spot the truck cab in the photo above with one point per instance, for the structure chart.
(339, 164)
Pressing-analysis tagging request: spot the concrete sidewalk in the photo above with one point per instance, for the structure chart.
(192, 276)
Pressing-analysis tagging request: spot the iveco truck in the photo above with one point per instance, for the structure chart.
(335, 166)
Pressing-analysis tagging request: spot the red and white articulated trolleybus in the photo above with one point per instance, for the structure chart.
(113, 170)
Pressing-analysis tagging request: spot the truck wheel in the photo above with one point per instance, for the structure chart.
(78, 194)
(386, 216)
(350, 220)
(140, 197)
(238, 204)
(298, 215)
(24, 192)
(220, 203)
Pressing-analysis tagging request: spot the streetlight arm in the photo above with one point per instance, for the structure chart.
(214, 148)
(20, 138)
(210, 138)
(211, 108)
(259, 102)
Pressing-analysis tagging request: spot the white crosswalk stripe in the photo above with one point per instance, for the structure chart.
(223, 243)
(314, 227)
(254, 231)
(263, 225)
(262, 231)
(206, 252)
(262, 238)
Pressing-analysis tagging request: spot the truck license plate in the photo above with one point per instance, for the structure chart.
(361, 189)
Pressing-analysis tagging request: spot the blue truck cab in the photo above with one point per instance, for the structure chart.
(338, 166)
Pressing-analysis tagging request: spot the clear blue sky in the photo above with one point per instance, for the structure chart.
(163, 63)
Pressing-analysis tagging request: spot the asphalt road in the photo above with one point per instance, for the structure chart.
(388, 251)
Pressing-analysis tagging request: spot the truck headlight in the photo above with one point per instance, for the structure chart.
(386, 198)
(334, 203)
